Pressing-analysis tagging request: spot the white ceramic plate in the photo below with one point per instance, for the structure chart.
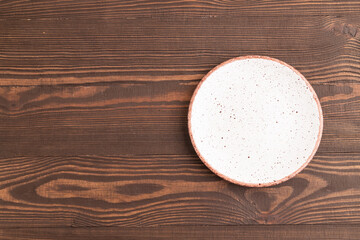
(255, 121)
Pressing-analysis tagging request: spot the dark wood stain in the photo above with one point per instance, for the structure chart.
(93, 119)
(271, 232)
(63, 187)
(137, 189)
(134, 190)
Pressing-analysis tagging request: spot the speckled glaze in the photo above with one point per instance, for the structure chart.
(255, 121)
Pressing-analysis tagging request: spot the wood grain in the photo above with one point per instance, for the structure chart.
(274, 232)
(111, 9)
(48, 52)
(93, 131)
(157, 190)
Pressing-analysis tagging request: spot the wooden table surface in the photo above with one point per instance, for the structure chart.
(93, 119)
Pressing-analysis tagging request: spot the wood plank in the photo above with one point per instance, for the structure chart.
(152, 190)
(137, 118)
(48, 52)
(318, 232)
(111, 9)
(121, 118)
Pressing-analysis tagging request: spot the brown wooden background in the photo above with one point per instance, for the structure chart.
(93, 129)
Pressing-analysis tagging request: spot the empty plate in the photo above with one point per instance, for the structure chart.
(255, 121)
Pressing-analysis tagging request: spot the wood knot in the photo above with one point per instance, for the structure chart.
(342, 28)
